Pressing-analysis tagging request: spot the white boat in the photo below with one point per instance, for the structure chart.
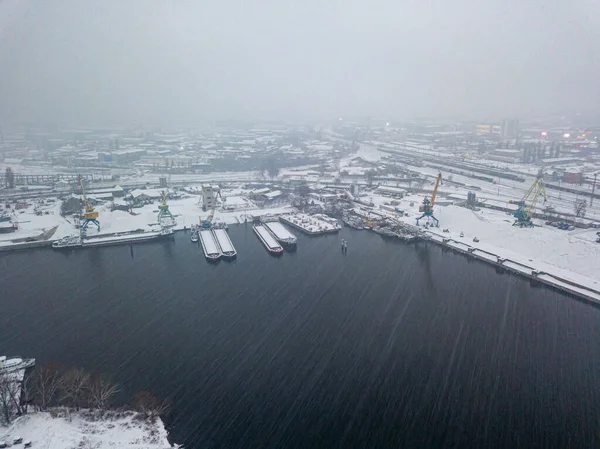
(194, 236)
(14, 364)
(71, 241)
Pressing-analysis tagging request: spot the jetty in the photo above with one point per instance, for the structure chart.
(267, 238)
(283, 236)
(227, 249)
(209, 245)
(535, 275)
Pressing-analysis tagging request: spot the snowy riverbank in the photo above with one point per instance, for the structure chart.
(60, 429)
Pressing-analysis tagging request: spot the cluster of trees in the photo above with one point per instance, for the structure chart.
(10, 178)
(50, 386)
(580, 208)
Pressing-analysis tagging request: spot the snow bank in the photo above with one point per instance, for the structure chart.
(63, 429)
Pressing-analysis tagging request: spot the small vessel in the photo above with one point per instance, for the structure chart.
(384, 231)
(69, 242)
(14, 364)
(194, 237)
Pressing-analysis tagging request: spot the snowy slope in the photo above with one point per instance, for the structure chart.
(80, 430)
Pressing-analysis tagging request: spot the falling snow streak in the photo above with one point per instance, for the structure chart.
(388, 345)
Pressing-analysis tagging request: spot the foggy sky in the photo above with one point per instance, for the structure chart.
(153, 61)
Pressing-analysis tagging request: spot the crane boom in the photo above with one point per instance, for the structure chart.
(89, 209)
(527, 205)
(435, 189)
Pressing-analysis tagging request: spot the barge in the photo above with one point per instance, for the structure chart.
(268, 240)
(75, 241)
(222, 238)
(283, 236)
(209, 245)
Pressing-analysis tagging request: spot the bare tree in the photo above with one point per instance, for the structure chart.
(580, 207)
(150, 406)
(45, 383)
(10, 177)
(27, 391)
(369, 176)
(101, 390)
(5, 404)
(10, 396)
(74, 386)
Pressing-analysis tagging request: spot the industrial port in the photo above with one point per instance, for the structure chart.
(513, 213)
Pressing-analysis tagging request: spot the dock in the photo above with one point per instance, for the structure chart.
(535, 276)
(311, 224)
(222, 238)
(268, 240)
(283, 236)
(209, 245)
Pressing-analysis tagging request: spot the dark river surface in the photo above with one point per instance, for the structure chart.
(388, 346)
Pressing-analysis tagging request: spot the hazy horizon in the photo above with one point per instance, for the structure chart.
(160, 61)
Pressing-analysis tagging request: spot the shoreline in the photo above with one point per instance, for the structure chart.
(63, 427)
(549, 278)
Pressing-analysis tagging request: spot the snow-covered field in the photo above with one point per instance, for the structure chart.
(80, 430)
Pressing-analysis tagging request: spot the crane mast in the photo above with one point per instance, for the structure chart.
(427, 206)
(89, 214)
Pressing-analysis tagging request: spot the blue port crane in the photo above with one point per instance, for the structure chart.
(427, 206)
(526, 205)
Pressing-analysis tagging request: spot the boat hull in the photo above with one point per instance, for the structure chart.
(274, 248)
(128, 241)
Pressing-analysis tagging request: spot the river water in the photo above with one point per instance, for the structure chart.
(389, 345)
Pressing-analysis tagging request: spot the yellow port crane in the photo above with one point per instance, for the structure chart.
(89, 214)
(526, 206)
(427, 206)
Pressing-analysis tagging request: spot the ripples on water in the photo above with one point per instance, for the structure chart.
(388, 346)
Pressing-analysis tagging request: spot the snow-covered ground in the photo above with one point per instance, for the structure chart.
(81, 430)
(574, 255)
(32, 225)
(187, 211)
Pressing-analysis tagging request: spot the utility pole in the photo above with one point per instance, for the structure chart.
(593, 189)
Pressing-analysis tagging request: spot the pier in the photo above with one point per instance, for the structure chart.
(557, 282)
(209, 245)
(283, 236)
(311, 224)
(268, 240)
(224, 242)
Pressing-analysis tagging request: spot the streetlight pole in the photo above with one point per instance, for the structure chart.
(593, 189)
